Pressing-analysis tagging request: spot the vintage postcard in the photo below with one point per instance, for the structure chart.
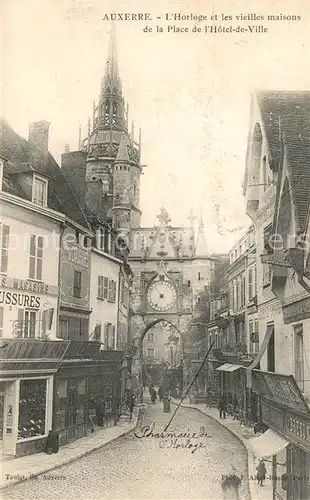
(155, 250)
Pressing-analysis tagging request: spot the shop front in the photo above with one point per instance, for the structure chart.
(26, 394)
(87, 391)
(286, 413)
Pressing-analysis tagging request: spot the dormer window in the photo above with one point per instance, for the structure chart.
(39, 191)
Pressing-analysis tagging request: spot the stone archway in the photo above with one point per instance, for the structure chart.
(140, 326)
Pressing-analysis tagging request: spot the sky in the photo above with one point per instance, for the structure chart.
(189, 92)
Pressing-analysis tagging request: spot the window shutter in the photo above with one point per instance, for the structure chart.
(106, 335)
(32, 258)
(113, 336)
(114, 291)
(5, 248)
(110, 290)
(39, 257)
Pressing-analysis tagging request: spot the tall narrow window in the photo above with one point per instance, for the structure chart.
(77, 284)
(39, 196)
(113, 337)
(5, 235)
(100, 287)
(36, 257)
(199, 276)
(299, 356)
(30, 324)
(250, 283)
(271, 354)
(105, 288)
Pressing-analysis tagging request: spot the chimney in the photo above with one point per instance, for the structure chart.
(38, 142)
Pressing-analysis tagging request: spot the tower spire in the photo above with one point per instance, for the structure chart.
(201, 249)
(112, 79)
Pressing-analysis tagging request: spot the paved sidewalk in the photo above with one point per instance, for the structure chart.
(23, 468)
(243, 433)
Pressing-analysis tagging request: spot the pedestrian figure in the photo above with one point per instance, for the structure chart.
(131, 404)
(261, 472)
(222, 407)
(230, 485)
(235, 405)
(153, 395)
(160, 393)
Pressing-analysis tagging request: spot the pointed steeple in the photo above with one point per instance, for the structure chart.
(201, 249)
(112, 80)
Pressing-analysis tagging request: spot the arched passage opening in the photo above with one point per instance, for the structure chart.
(160, 350)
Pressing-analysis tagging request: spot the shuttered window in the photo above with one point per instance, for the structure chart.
(100, 287)
(5, 236)
(36, 257)
(105, 288)
(77, 284)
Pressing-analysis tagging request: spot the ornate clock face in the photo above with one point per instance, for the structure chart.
(161, 296)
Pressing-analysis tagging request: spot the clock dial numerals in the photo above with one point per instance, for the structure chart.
(161, 296)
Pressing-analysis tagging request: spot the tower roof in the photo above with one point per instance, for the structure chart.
(201, 249)
(122, 154)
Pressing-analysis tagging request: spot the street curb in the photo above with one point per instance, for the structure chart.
(252, 486)
(67, 461)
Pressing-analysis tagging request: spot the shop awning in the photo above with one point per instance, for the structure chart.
(227, 367)
(267, 445)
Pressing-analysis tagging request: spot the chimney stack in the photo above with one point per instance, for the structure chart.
(38, 142)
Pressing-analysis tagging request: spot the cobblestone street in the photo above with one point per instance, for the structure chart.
(149, 467)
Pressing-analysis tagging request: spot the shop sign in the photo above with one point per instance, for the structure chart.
(293, 426)
(297, 311)
(31, 286)
(75, 255)
(19, 299)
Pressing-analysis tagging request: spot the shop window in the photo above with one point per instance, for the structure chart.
(77, 284)
(32, 408)
(60, 404)
(4, 236)
(36, 257)
(1, 321)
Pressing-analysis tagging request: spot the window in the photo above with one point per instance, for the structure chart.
(150, 353)
(4, 235)
(32, 408)
(100, 287)
(250, 283)
(150, 337)
(105, 288)
(113, 337)
(253, 335)
(36, 257)
(299, 370)
(64, 328)
(112, 291)
(39, 196)
(238, 293)
(188, 283)
(242, 290)
(109, 336)
(77, 284)
(1, 321)
(29, 327)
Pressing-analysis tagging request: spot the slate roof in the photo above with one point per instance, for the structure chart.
(61, 197)
(286, 114)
